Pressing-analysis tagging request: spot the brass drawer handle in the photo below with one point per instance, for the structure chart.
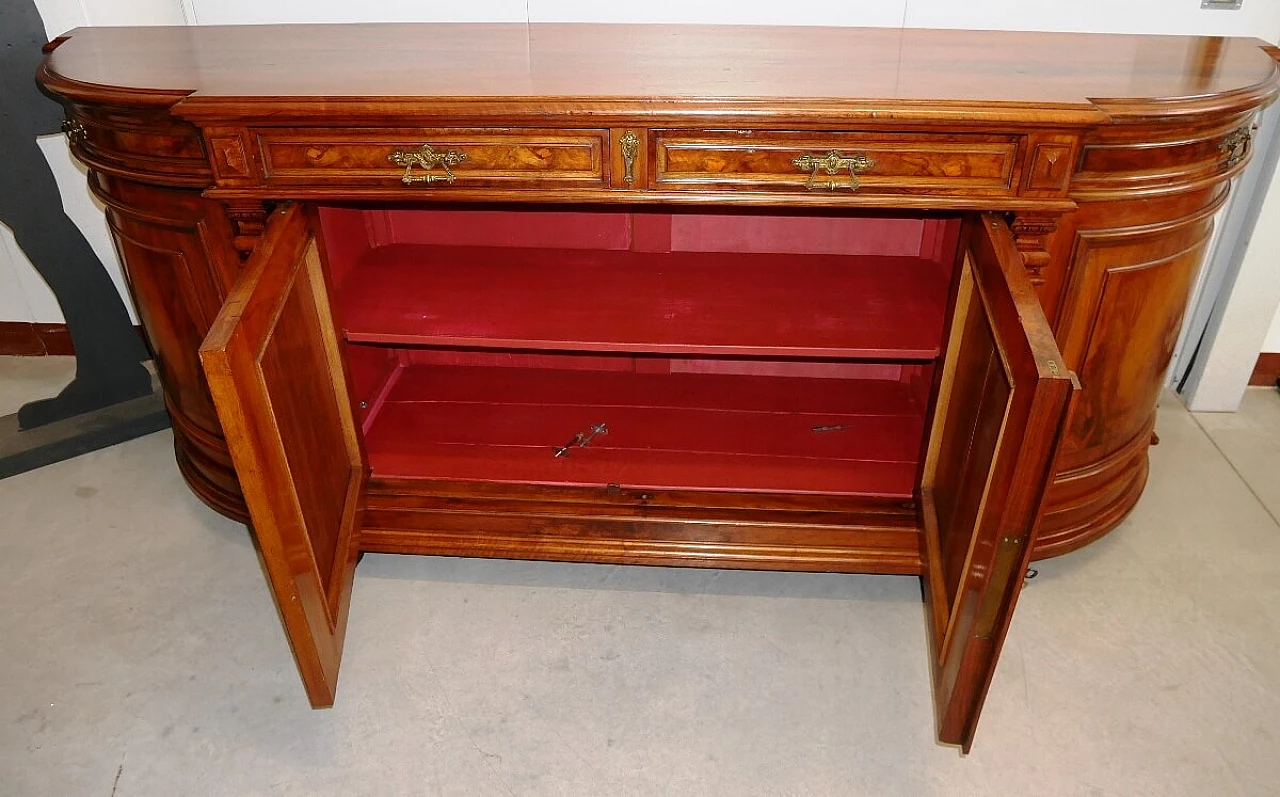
(428, 159)
(832, 163)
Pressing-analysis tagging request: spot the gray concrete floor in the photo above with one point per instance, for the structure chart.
(141, 655)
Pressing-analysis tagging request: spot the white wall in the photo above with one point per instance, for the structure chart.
(239, 12)
(1239, 322)
(24, 297)
(61, 16)
(1272, 342)
(14, 305)
(1257, 18)
(799, 12)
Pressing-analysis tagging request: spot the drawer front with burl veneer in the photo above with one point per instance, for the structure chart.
(845, 162)
(439, 159)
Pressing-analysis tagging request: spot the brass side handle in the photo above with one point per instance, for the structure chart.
(832, 163)
(74, 131)
(630, 144)
(427, 158)
(1236, 145)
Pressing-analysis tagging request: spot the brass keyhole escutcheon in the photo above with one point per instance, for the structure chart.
(630, 143)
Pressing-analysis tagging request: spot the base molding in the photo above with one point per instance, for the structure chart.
(27, 339)
(24, 450)
(1266, 373)
(36, 339)
(584, 524)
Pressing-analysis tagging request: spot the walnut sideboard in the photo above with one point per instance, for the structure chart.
(829, 299)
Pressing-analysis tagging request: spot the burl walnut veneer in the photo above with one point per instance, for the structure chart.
(832, 289)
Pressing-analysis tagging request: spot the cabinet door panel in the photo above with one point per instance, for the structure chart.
(1002, 402)
(274, 368)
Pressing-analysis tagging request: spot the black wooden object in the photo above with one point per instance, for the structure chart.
(108, 354)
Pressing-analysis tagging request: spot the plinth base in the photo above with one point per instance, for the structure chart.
(21, 451)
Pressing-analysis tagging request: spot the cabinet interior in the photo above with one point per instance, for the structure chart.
(724, 350)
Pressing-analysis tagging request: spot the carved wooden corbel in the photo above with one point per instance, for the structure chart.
(1033, 233)
(249, 217)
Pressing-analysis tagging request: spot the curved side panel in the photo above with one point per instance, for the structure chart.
(1133, 249)
(179, 257)
(179, 263)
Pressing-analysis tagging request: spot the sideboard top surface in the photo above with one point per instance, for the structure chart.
(729, 65)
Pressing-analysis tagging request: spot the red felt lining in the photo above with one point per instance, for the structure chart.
(743, 304)
(666, 431)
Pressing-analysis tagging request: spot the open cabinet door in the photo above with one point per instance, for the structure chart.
(1002, 401)
(278, 382)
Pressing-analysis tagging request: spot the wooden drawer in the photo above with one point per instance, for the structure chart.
(433, 159)
(868, 163)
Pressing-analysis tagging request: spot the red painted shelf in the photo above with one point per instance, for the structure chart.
(666, 431)
(695, 303)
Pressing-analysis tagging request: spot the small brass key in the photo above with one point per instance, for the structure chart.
(563, 451)
(581, 439)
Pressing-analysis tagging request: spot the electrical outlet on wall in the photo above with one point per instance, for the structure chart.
(1222, 5)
